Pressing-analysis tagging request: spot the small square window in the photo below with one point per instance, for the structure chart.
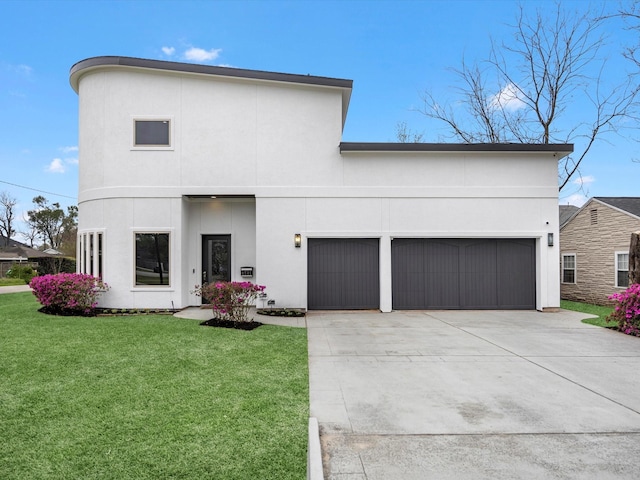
(152, 133)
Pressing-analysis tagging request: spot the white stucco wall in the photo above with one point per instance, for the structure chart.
(278, 144)
(443, 197)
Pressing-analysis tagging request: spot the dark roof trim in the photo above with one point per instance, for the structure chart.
(564, 148)
(110, 61)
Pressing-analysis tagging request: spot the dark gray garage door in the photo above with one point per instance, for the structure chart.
(343, 273)
(463, 273)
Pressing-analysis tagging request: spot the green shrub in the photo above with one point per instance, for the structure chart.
(24, 272)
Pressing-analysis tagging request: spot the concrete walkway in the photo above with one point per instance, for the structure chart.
(474, 395)
(15, 289)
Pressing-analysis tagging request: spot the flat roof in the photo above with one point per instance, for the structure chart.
(564, 148)
(113, 61)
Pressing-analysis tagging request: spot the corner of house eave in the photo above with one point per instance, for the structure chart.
(560, 154)
(74, 81)
(346, 99)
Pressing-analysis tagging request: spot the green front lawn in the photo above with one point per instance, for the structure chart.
(148, 397)
(598, 310)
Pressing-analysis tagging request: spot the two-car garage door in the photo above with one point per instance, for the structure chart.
(426, 273)
(463, 273)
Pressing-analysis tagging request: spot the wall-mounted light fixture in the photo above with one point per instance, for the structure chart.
(297, 240)
(550, 239)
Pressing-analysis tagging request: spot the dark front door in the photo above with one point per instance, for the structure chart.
(216, 258)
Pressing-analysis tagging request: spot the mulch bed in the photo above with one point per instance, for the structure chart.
(216, 322)
(280, 312)
(66, 312)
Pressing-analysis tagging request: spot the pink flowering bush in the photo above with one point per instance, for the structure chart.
(68, 293)
(627, 310)
(230, 300)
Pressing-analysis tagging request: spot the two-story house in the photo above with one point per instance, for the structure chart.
(193, 173)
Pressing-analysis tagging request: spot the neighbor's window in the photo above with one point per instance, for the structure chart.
(622, 269)
(569, 268)
(152, 133)
(152, 259)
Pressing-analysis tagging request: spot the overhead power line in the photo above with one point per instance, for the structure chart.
(37, 190)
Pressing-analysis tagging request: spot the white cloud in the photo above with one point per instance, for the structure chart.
(576, 199)
(56, 166)
(508, 99)
(202, 55)
(584, 181)
(69, 149)
(168, 51)
(22, 69)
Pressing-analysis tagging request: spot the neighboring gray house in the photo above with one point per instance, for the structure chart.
(594, 246)
(16, 252)
(566, 212)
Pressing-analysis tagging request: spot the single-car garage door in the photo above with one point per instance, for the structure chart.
(343, 273)
(463, 273)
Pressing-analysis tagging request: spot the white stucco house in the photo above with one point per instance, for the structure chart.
(192, 173)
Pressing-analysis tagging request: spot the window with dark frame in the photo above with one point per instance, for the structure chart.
(152, 259)
(569, 268)
(152, 133)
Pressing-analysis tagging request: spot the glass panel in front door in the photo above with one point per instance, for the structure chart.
(216, 258)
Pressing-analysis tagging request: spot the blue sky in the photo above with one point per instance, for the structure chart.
(393, 50)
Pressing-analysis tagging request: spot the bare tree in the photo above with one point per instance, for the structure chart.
(31, 234)
(537, 77)
(631, 16)
(7, 216)
(405, 135)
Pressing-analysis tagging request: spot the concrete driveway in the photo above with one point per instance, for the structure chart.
(474, 395)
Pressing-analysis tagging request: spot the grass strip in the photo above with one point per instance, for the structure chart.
(148, 397)
(600, 311)
(10, 282)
